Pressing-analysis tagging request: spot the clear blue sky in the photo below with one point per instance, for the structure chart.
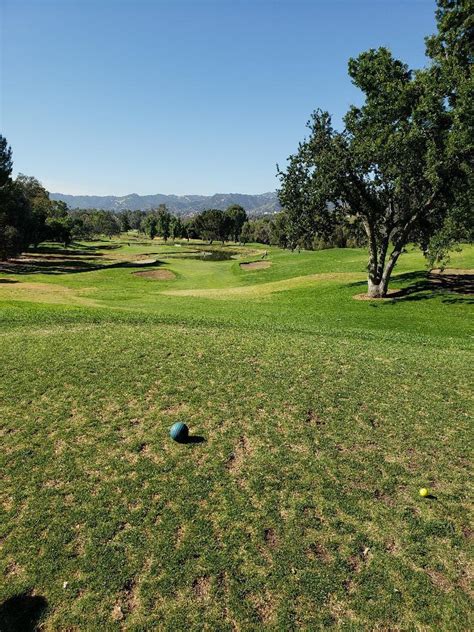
(182, 96)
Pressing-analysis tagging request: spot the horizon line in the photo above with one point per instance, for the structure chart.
(152, 194)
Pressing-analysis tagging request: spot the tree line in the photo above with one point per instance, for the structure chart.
(209, 225)
(276, 230)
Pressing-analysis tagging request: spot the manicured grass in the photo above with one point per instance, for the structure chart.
(321, 416)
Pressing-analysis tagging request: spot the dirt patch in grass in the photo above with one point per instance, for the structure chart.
(13, 569)
(157, 275)
(177, 409)
(236, 459)
(179, 535)
(271, 539)
(466, 581)
(117, 613)
(202, 587)
(317, 551)
(256, 265)
(313, 418)
(390, 294)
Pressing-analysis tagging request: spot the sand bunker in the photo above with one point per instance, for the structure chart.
(157, 275)
(256, 265)
(144, 262)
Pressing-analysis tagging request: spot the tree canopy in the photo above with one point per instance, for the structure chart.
(236, 219)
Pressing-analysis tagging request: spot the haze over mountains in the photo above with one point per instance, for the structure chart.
(178, 204)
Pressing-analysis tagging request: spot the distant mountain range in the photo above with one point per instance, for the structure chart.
(180, 204)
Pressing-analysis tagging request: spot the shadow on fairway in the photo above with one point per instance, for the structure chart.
(452, 288)
(64, 262)
(22, 612)
(193, 439)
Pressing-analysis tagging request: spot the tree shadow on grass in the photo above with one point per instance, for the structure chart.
(74, 249)
(421, 286)
(22, 613)
(65, 264)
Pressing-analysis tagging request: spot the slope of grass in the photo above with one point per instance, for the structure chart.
(320, 418)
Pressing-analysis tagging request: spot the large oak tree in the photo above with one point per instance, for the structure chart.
(389, 167)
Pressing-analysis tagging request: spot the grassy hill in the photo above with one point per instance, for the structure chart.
(316, 419)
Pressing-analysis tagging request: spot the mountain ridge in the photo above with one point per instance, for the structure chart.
(259, 204)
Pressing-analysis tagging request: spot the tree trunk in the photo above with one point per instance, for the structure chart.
(378, 285)
(375, 288)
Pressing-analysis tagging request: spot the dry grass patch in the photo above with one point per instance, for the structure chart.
(264, 606)
(439, 580)
(340, 610)
(45, 293)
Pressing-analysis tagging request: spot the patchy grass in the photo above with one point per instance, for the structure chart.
(322, 417)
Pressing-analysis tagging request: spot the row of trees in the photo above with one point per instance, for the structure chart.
(210, 225)
(213, 225)
(276, 231)
(403, 164)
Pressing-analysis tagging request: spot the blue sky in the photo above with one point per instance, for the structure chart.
(182, 96)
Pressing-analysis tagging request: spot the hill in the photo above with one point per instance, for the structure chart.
(179, 204)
